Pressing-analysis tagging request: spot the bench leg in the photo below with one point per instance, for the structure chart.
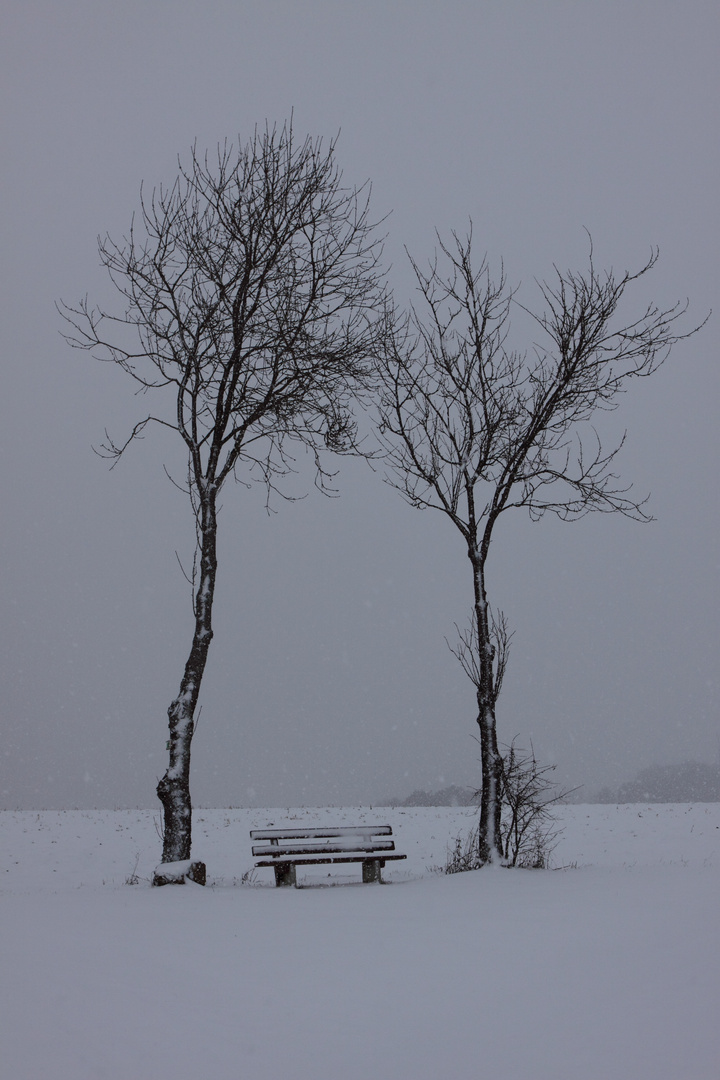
(371, 871)
(285, 874)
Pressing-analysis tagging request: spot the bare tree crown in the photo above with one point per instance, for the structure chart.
(473, 427)
(252, 287)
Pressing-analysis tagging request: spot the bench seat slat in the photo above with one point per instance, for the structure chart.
(331, 859)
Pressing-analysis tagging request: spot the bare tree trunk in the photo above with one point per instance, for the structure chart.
(489, 836)
(173, 790)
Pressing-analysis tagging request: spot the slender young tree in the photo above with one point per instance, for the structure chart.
(474, 429)
(251, 296)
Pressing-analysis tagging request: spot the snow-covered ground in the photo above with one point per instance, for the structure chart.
(608, 968)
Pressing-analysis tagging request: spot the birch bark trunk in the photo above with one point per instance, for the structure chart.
(489, 835)
(173, 790)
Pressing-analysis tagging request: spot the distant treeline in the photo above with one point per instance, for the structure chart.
(689, 782)
(447, 796)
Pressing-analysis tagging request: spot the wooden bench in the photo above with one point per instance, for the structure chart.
(288, 848)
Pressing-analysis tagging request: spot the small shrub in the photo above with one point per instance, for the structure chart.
(132, 878)
(464, 854)
(529, 830)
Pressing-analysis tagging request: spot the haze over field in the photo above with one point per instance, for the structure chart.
(329, 680)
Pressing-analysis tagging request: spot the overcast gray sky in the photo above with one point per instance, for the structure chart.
(329, 679)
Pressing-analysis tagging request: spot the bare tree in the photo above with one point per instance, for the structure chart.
(530, 831)
(473, 428)
(251, 292)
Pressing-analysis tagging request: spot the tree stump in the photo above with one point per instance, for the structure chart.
(177, 873)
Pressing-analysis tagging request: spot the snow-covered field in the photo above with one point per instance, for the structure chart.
(608, 969)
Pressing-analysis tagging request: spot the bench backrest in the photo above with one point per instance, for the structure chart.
(321, 834)
(356, 839)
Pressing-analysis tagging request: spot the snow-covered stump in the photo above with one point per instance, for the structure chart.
(177, 873)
